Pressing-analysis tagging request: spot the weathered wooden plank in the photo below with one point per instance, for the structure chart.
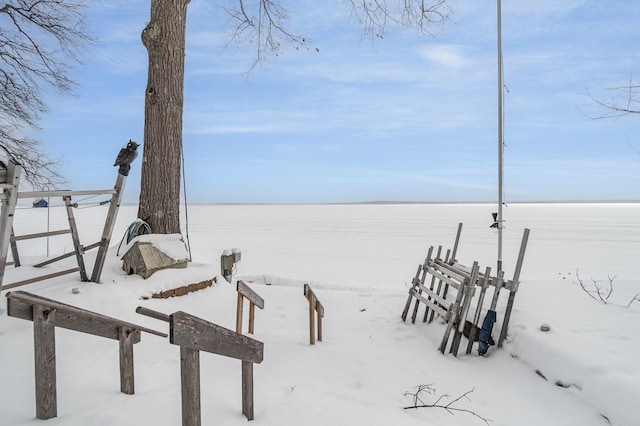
(190, 386)
(247, 389)
(467, 291)
(452, 281)
(153, 314)
(312, 317)
(319, 314)
(247, 292)
(109, 224)
(252, 317)
(421, 281)
(76, 239)
(127, 339)
(72, 317)
(82, 249)
(40, 235)
(512, 293)
(239, 312)
(10, 194)
(431, 304)
(45, 363)
(438, 299)
(473, 334)
(444, 293)
(195, 333)
(40, 278)
(62, 193)
(407, 305)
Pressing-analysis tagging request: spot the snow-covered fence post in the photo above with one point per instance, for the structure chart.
(315, 308)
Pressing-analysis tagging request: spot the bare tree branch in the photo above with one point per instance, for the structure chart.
(618, 102)
(40, 40)
(262, 22)
(429, 390)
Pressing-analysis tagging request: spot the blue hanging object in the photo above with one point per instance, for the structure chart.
(485, 332)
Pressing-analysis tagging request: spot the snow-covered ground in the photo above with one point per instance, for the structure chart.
(360, 260)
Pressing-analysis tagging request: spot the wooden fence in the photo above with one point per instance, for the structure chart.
(47, 314)
(446, 275)
(193, 335)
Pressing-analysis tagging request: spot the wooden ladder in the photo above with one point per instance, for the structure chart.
(10, 197)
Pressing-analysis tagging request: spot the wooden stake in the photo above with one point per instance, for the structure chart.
(45, 363)
(190, 386)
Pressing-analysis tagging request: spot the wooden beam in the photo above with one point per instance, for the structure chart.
(39, 278)
(20, 304)
(82, 249)
(190, 386)
(44, 341)
(127, 339)
(63, 193)
(195, 333)
(10, 193)
(247, 389)
(247, 292)
(40, 235)
(108, 227)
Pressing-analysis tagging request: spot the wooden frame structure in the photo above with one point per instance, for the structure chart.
(315, 309)
(10, 195)
(245, 292)
(449, 274)
(46, 314)
(193, 335)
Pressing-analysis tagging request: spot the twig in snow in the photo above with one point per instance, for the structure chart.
(603, 294)
(635, 298)
(418, 402)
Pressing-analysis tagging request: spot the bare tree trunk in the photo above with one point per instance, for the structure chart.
(164, 38)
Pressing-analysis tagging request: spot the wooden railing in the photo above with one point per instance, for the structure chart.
(193, 335)
(315, 310)
(47, 314)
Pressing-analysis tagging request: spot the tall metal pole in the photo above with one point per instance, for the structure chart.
(500, 136)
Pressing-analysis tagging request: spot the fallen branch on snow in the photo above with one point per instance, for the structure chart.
(418, 402)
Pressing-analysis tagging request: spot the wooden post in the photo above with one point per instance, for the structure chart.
(444, 294)
(414, 283)
(10, 197)
(247, 389)
(126, 360)
(76, 238)
(45, 363)
(455, 244)
(108, 227)
(252, 315)
(320, 314)
(239, 313)
(467, 289)
(312, 325)
(512, 292)
(474, 332)
(314, 305)
(190, 386)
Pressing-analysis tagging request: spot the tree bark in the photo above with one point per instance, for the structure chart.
(164, 39)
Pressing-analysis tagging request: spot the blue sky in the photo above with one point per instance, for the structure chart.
(404, 118)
